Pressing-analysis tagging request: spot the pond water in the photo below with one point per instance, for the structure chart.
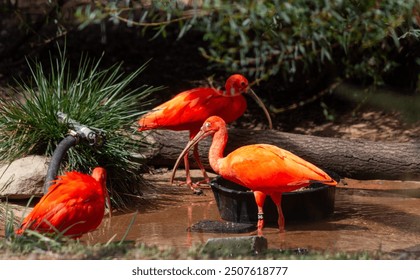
(374, 216)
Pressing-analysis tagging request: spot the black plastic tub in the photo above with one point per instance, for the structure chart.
(237, 203)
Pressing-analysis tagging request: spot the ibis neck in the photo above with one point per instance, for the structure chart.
(217, 148)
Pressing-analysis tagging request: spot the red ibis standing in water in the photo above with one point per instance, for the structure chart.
(189, 109)
(73, 205)
(263, 168)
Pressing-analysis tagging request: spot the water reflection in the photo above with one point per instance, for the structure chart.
(364, 220)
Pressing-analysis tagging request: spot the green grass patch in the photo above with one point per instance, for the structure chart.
(98, 98)
(73, 249)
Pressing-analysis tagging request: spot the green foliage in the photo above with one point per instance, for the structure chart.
(27, 243)
(96, 98)
(295, 40)
(292, 38)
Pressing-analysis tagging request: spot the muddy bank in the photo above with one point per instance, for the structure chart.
(372, 216)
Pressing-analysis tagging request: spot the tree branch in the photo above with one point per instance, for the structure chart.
(349, 158)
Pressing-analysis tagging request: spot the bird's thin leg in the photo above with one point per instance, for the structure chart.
(260, 199)
(200, 165)
(276, 197)
(188, 180)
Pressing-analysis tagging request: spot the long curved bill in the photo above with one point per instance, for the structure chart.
(261, 104)
(108, 201)
(100, 174)
(200, 135)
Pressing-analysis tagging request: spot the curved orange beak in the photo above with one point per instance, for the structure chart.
(108, 201)
(200, 136)
(99, 174)
(261, 104)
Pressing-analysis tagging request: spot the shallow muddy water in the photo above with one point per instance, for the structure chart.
(369, 216)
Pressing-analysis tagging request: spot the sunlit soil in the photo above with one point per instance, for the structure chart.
(369, 216)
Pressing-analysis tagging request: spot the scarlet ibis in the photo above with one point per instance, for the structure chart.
(263, 168)
(189, 109)
(73, 205)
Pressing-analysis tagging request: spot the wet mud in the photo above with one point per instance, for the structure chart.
(372, 216)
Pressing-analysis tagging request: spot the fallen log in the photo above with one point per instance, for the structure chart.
(358, 159)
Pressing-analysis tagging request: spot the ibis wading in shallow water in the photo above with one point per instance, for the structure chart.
(73, 205)
(264, 169)
(189, 109)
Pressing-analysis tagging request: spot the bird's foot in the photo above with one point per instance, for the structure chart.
(257, 232)
(204, 184)
(193, 186)
(197, 188)
(197, 191)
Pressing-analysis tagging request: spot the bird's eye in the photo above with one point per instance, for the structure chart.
(208, 124)
(243, 84)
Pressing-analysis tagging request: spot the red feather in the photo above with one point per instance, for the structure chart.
(74, 205)
(264, 169)
(189, 109)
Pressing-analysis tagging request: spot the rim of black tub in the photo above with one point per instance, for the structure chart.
(237, 203)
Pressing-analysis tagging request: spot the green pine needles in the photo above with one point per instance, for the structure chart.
(96, 98)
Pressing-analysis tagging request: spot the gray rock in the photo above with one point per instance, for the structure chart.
(23, 178)
(235, 246)
(221, 227)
